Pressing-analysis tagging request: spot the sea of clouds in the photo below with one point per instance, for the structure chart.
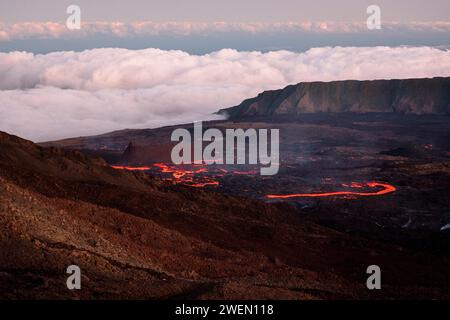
(48, 30)
(66, 94)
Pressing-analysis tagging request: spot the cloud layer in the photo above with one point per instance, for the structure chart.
(48, 30)
(65, 94)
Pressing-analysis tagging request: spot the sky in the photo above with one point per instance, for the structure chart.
(145, 64)
(203, 26)
(229, 10)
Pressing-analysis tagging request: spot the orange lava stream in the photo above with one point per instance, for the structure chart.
(386, 188)
(131, 168)
(193, 175)
(204, 184)
(188, 177)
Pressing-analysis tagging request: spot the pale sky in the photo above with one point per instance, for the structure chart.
(225, 10)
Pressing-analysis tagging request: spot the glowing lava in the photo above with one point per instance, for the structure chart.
(192, 176)
(385, 189)
(212, 183)
(131, 168)
(195, 175)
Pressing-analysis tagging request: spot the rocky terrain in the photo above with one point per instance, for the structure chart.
(410, 96)
(322, 154)
(137, 236)
(364, 179)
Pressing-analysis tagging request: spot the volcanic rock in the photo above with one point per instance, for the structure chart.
(410, 96)
(135, 237)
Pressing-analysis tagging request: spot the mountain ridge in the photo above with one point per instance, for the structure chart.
(407, 96)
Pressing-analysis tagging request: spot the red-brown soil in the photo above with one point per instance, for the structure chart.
(135, 236)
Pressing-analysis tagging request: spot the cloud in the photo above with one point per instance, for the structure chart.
(49, 30)
(51, 113)
(64, 94)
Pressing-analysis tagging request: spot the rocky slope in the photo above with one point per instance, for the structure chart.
(136, 237)
(411, 96)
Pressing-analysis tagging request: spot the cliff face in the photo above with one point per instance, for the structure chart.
(413, 96)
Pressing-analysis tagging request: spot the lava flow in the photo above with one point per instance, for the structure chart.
(386, 188)
(195, 175)
(131, 168)
(191, 177)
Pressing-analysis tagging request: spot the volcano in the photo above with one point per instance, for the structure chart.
(138, 236)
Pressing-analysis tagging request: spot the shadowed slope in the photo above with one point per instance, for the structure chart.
(410, 96)
(136, 237)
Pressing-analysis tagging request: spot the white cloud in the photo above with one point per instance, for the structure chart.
(47, 30)
(65, 94)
